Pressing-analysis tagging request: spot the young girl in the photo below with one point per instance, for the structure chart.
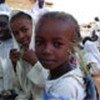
(56, 36)
(23, 56)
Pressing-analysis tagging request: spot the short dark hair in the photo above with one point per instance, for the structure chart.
(6, 16)
(60, 16)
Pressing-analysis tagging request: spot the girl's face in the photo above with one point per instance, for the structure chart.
(4, 28)
(22, 30)
(52, 43)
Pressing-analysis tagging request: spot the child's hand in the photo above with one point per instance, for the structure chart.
(14, 56)
(30, 57)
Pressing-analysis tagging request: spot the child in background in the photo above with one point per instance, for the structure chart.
(56, 36)
(91, 53)
(38, 9)
(92, 57)
(6, 44)
(23, 56)
(4, 6)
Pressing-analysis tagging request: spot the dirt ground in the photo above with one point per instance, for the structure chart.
(20, 4)
(26, 4)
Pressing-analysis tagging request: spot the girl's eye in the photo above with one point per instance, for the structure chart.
(58, 44)
(3, 24)
(24, 30)
(15, 33)
(38, 42)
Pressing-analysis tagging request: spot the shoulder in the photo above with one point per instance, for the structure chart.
(67, 86)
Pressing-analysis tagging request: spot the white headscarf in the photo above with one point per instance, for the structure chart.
(16, 45)
(4, 13)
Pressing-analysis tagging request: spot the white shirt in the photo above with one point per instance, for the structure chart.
(92, 56)
(5, 64)
(69, 86)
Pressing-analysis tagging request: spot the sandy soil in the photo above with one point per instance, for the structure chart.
(20, 4)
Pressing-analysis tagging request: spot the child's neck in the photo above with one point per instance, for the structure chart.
(59, 71)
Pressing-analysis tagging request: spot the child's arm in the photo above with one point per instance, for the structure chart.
(30, 57)
(38, 75)
(92, 63)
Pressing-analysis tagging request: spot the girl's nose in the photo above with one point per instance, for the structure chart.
(21, 35)
(48, 49)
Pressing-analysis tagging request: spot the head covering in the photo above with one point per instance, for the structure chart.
(16, 44)
(91, 47)
(4, 13)
(5, 62)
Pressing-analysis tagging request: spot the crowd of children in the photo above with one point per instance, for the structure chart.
(41, 58)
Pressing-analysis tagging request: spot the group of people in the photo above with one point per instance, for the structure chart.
(39, 58)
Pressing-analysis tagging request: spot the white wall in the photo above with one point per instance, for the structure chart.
(83, 10)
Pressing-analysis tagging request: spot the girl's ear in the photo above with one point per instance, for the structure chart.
(69, 53)
(72, 59)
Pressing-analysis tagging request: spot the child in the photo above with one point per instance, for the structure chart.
(92, 57)
(38, 9)
(56, 35)
(92, 60)
(6, 44)
(92, 54)
(23, 56)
